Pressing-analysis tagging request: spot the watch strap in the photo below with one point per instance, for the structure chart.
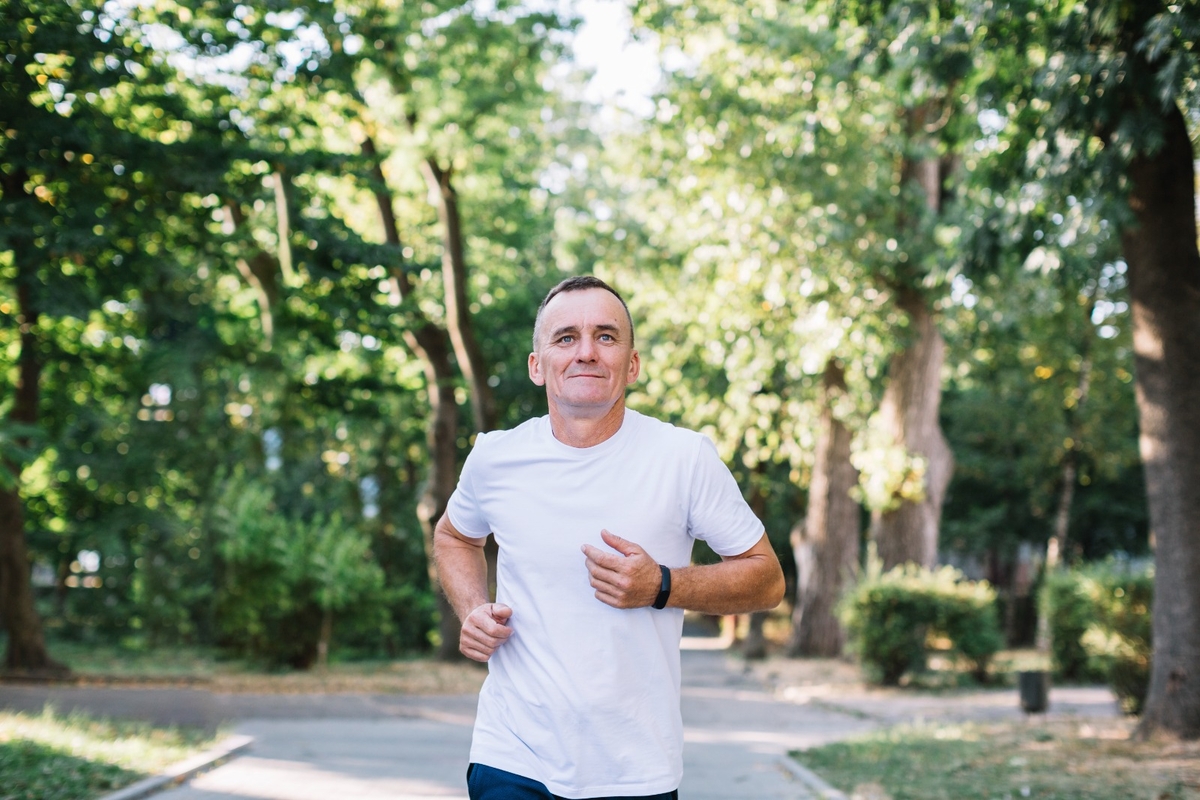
(664, 593)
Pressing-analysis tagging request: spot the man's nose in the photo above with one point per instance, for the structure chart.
(586, 350)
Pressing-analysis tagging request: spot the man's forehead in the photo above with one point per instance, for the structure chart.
(585, 307)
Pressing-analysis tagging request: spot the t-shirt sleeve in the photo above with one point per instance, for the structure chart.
(717, 512)
(463, 508)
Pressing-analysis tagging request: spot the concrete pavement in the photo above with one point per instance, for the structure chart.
(737, 727)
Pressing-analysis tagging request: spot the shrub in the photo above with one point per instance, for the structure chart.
(285, 579)
(1070, 612)
(1103, 613)
(889, 619)
(1119, 643)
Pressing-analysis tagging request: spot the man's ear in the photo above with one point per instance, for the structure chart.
(635, 368)
(535, 370)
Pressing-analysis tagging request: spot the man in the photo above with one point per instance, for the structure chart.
(595, 509)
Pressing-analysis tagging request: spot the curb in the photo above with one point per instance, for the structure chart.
(178, 773)
(810, 779)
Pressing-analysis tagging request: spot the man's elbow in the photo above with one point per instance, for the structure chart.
(776, 586)
(445, 538)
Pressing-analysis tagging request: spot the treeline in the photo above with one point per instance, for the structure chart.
(267, 270)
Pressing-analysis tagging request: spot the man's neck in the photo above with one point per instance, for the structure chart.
(586, 431)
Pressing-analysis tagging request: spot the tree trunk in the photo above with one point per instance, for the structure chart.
(454, 280)
(283, 228)
(1164, 289)
(324, 638)
(909, 411)
(430, 343)
(754, 646)
(26, 642)
(458, 319)
(826, 544)
(1056, 548)
(259, 272)
(431, 346)
(910, 405)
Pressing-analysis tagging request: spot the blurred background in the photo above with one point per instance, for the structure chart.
(267, 269)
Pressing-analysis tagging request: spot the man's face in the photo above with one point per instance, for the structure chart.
(585, 358)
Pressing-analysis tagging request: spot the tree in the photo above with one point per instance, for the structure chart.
(1104, 109)
(76, 187)
(826, 562)
(361, 139)
(923, 53)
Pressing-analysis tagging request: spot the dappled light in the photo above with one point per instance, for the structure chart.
(926, 275)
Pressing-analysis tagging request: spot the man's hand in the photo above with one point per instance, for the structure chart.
(629, 580)
(484, 630)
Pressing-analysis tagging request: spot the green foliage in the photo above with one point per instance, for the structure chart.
(55, 757)
(1100, 626)
(890, 619)
(282, 574)
(1071, 614)
(200, 251)
(758, 223)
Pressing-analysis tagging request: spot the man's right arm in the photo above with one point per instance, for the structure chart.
(462, 570)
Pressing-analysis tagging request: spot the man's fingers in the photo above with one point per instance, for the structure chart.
(622, 546)
(598, 559)
(484, 630)
(621, 581)
(601, 578)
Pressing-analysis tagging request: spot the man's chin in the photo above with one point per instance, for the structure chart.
(586, 407)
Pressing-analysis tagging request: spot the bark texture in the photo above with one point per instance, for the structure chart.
(431, 346)
(1164, 289)
(26, 642)
(826, 543)
(439, 180)
(909, 411)
(911, 402)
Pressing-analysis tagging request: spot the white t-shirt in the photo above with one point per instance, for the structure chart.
(585, 697)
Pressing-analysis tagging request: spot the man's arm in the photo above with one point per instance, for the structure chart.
(749, 581)
(462, 569)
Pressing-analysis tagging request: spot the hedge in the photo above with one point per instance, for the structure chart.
(889, 619)
(1100, 627)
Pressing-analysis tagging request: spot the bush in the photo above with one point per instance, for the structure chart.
(1071, 613)
(1102, 615)
(284, 580)
(889, 619)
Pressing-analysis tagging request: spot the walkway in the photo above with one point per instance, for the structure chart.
(322, 747)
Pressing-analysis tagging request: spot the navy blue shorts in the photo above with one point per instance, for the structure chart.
(489, 783)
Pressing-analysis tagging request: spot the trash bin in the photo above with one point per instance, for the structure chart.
(1034, 687)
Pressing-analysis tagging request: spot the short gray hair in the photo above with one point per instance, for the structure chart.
(578, 284)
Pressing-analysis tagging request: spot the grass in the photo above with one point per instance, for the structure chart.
(1049, 760)
(51, 757)
(117, 664)
(121, 661)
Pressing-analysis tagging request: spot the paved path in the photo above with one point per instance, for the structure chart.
(335, 747)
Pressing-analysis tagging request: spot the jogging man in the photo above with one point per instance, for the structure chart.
(595, 508)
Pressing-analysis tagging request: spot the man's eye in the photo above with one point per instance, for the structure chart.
(606, 337)
(566, 339)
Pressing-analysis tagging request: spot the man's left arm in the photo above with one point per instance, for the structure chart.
(630, 578)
